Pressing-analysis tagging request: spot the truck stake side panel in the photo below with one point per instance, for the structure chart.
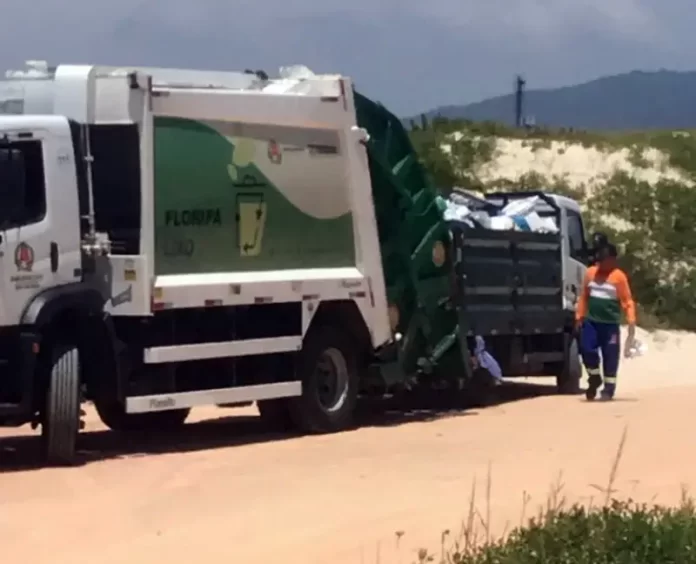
(510, 283)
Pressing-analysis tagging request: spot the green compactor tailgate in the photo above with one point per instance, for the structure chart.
(411, 226)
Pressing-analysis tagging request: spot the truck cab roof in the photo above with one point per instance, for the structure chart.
(30, 91)
(564, 202)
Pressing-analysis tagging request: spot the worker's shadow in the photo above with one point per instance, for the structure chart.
(236, 428)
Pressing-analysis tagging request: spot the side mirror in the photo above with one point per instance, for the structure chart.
(12, 182)
(584, 256)
(587, 255)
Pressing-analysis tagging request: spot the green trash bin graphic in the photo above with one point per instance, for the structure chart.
(251, 220)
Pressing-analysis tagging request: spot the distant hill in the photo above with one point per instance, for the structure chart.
(635, 100)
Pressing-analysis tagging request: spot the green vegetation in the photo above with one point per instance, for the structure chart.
(621, 533)
(615, 532)
(654, 225)
(456, 166)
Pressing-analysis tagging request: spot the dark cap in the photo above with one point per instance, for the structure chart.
(599, 239)
(608, 250)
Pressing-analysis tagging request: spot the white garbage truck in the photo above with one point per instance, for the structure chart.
(173, 238)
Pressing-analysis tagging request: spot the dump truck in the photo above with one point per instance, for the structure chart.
(177, 238)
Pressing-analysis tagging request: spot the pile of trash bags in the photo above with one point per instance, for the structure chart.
(518, 215)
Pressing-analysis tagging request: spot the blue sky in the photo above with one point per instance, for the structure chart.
(412, 55)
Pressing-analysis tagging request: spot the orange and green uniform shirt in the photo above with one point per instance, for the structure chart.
(603, 298)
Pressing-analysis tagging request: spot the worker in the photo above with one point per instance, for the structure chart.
(605, 293)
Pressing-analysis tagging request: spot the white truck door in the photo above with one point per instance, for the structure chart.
(40, 240)
(573, 266)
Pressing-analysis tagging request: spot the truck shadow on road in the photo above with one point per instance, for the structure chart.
(22, 453)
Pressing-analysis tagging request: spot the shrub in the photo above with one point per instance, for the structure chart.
(622, 533)
(658, 247)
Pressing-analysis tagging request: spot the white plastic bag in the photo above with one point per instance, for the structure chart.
(541, 224)
(637, 349)
(296, 72)
(520, 207)
(481, 218)
(455, 212)
(502, 223)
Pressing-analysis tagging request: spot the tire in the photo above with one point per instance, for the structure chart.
(328, 369)
(275, 414)
(113, 415)
(568, 381)
(61, 416)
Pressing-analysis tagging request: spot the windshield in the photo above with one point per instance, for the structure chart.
(31, 205)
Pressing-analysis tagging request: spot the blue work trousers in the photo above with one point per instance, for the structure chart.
(598, 337)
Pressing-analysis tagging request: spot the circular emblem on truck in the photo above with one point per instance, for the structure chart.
(24, 257)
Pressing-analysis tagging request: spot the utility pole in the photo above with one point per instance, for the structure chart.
(519, 99)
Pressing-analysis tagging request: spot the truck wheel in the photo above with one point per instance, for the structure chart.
(113, 415)
(275, 414)
(328, 370)
(61, 416)
(568, 381)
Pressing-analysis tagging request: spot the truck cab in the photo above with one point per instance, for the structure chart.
(40, 246)
(49, 297)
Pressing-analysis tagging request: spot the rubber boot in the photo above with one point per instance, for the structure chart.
(594, 383)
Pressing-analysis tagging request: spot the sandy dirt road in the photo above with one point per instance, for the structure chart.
(228, 492)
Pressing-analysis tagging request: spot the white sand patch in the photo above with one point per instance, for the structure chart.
(578, 166)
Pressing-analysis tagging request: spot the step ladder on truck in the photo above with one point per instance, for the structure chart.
(174, 238)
